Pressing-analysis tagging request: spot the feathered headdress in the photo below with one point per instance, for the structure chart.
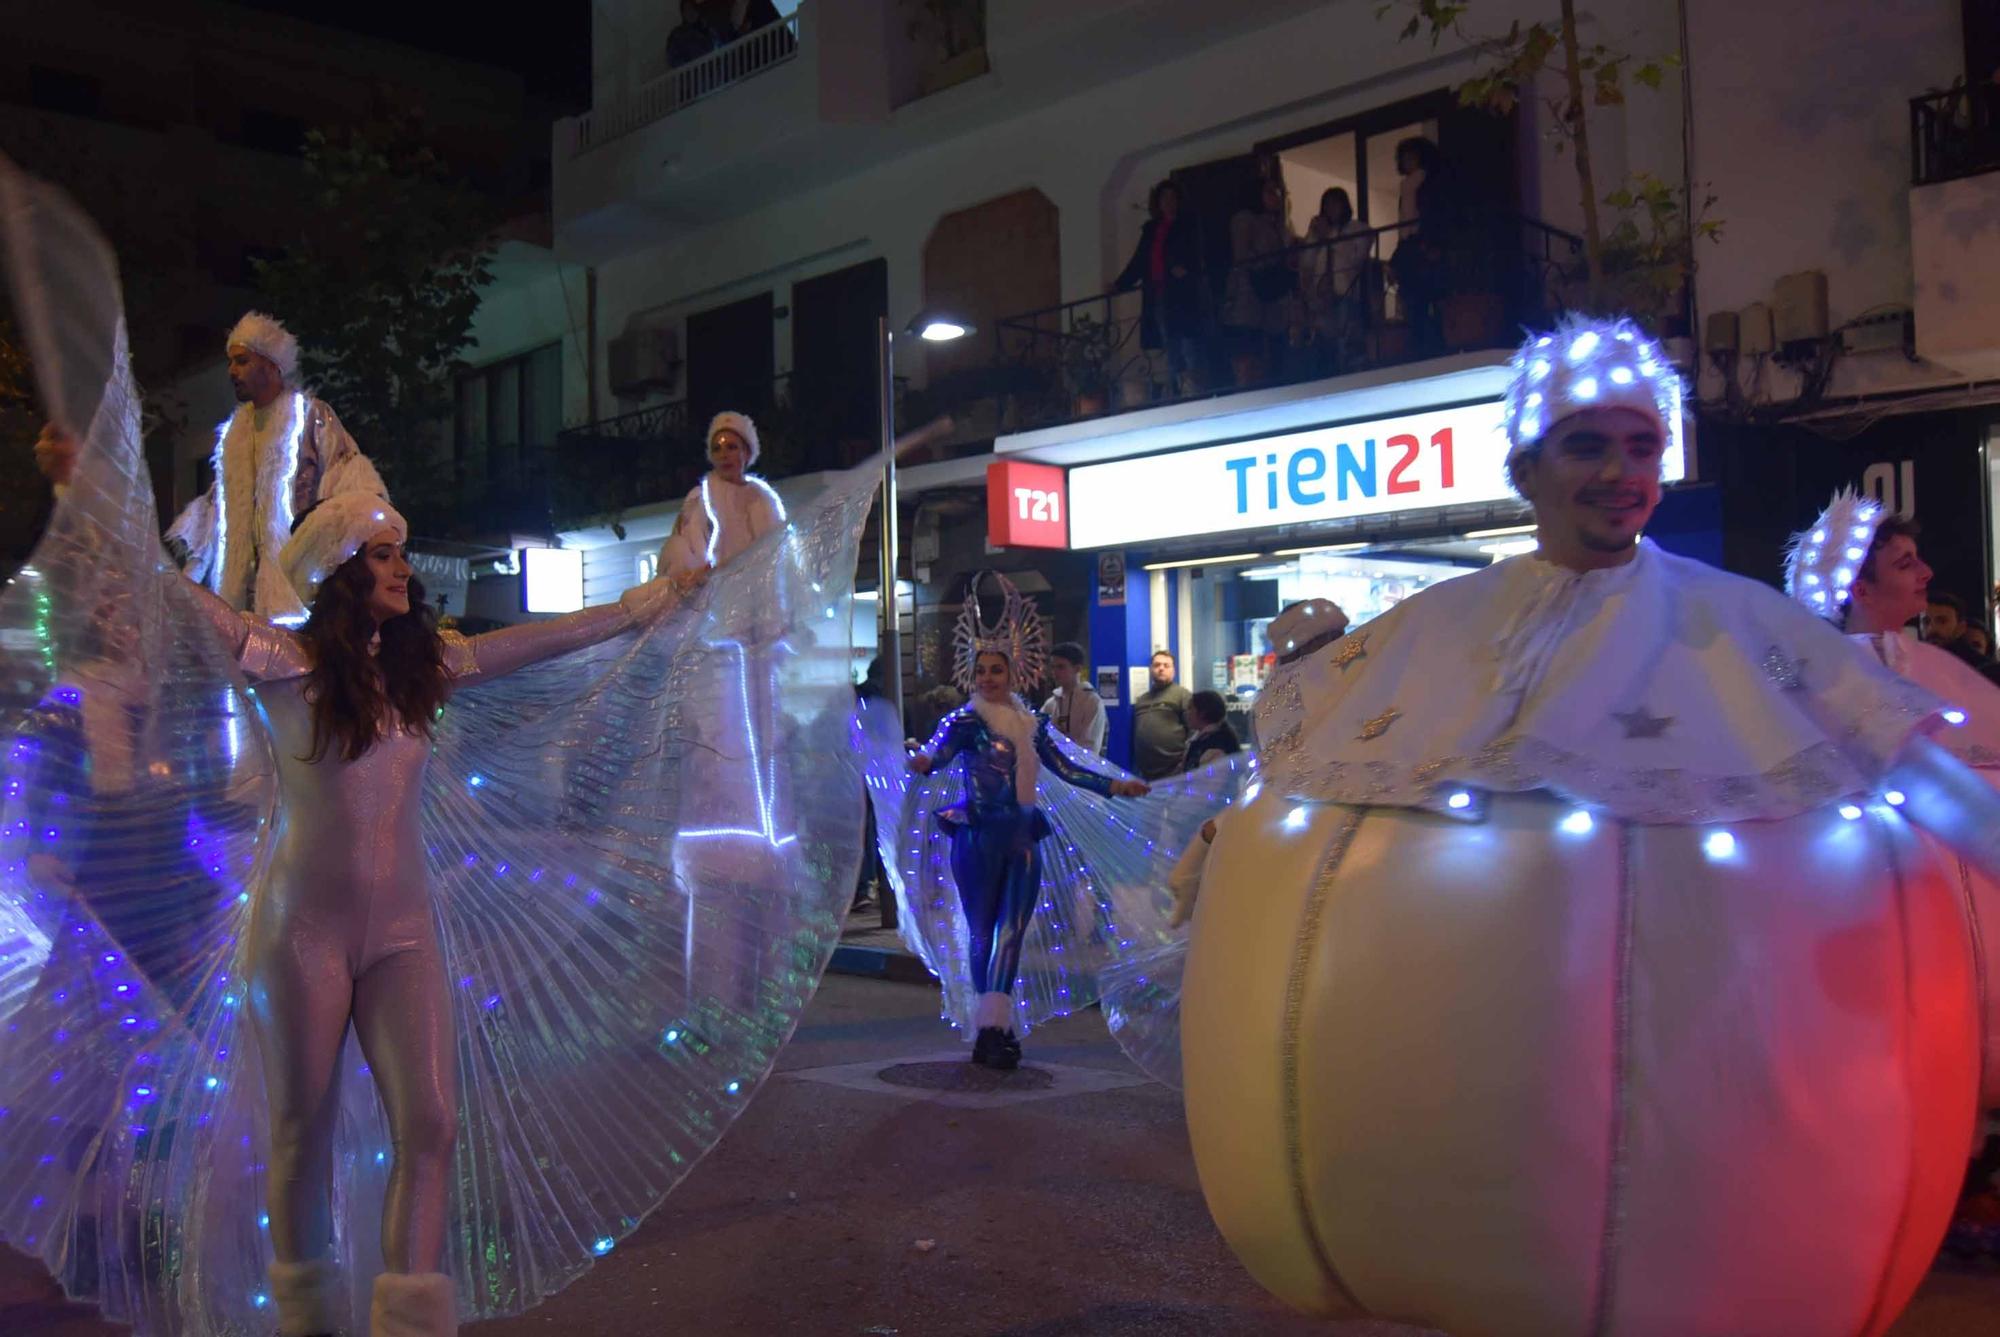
(1588, 363)
(1823, 563)
(266, 337)
(1018, 634)
(332, 532)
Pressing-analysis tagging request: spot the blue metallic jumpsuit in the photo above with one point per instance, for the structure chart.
(994, 858)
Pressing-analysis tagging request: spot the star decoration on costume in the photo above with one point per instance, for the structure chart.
(1375, 728)
(1641, 723)
(1352, 647)
(1786, 673)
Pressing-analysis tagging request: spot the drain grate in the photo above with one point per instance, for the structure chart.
(969, 1078)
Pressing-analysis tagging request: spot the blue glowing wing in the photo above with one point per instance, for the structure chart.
(1105, 866)
(138, 785)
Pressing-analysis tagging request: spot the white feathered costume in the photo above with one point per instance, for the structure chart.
(271, 465)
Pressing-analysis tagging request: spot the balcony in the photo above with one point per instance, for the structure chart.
(676, 89)
(1954, 134)
(1324, 310)
(654, 455)
(1955, 227)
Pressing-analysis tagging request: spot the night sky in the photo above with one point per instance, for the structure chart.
(547, 42)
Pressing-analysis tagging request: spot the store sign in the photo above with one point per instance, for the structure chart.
(1026, 505)
(1416, 461)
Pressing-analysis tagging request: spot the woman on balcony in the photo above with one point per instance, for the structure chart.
(1331, 273)
(1261, 302)
(1166, 267)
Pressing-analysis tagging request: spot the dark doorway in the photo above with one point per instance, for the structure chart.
(729, 359)
(835, 362)
(1213, 193)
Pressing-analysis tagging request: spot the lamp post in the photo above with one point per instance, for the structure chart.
(934, 327)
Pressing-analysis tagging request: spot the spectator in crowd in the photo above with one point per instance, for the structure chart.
(1946, 625)
(1331, 274)
(1213, 739)
(1160, 722)
(691, 39)
(1260, 301)
(1166, 268)
(1980, 640)
(1074, 706)
(1420, 251)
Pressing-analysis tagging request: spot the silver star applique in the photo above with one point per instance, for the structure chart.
(1375, 728)
(1641, 723)
(1352, 647)
(1786, 673)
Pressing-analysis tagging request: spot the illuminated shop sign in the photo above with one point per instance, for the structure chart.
(1411, 462)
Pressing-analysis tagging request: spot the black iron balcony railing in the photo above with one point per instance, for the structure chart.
(1954, 133)
(804, 424)
(1368, 298)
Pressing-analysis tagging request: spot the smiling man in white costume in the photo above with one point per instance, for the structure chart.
(280, 453)
(1577, 968)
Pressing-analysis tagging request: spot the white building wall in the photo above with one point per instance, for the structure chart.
(1801, 129)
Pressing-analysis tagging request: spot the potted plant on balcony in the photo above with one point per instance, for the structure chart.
(1087, 349)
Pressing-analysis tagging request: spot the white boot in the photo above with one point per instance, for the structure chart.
(414, 1304)
(308, 1298)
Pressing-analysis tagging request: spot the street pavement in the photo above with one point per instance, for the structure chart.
(1062, 1204)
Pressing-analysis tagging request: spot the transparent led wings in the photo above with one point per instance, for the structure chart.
(638, 856)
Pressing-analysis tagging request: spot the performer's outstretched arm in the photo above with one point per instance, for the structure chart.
(1951, 801)
(1071, 773)
(473, 659)
(952, 737)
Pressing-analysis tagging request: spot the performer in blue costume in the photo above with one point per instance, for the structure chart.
(997, 829)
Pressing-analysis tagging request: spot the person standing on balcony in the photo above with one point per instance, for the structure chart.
(281, 453)
(729, 509)
(1420, 251)
(1261, 299)
(1331, 274)
(1166, 267)
(691, 39)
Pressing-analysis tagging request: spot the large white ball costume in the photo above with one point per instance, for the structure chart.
(1574, 969)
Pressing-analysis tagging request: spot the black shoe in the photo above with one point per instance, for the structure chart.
(1006, 1053)
(986, 1046)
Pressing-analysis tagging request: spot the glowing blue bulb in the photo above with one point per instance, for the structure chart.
(1850, 812)
(1257, 786)
(260, 1299)
(1534, 399)
(1811, 579)
(1459, 801)
(1954, 717)
(1818, 536)
(476, 781)
(1624, 336)
(1586, 388)
(1531, 427)
(733, 1088)
(1621, 376)
(603, 1246)
(212, 1083)
(264, 1222)
(1719, 845)
(1295, 820)
(1861, 531)
(1578, 823)
(672, 1036)
(1895, 798)
(1843, 576)
(381, 1158)
(1856, 554)
(1585, 344)
(1539, 369)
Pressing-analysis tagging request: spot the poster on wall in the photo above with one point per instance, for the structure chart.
(1107, 683)
(1111, 580)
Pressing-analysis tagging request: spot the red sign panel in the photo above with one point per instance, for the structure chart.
(1027, 505)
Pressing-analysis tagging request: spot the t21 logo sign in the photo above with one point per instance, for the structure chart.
(1404, 465)
(1027, 505)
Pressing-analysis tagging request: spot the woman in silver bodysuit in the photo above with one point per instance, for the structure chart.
(343, 930)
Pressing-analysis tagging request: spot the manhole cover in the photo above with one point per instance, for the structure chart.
(963, 1076)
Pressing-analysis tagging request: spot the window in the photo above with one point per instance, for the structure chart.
(65, 91)
(505, 408)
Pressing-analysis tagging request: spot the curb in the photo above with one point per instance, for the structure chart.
(879, 964)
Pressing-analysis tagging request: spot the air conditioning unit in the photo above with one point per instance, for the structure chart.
(642, 361)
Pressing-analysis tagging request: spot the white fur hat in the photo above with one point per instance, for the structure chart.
(739, 424)
(1589, 363)
(332, 532)
(263, 335)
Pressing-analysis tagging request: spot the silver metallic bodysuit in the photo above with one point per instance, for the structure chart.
(343, 930)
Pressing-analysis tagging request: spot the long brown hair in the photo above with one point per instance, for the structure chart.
(357, 697)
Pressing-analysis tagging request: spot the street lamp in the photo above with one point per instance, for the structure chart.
(932, 326)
